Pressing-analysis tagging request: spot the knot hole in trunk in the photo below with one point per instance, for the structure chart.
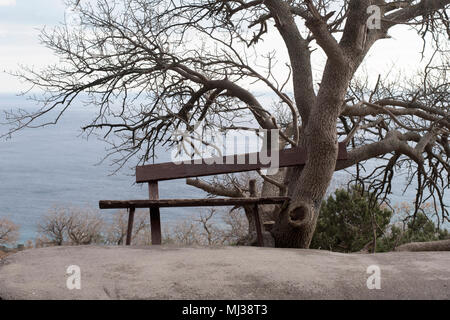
(300, 214)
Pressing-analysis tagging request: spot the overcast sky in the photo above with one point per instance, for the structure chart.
(21, 20)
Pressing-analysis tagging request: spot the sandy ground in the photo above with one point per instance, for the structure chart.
(221, 273)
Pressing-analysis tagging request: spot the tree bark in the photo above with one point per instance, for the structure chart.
(295, 226)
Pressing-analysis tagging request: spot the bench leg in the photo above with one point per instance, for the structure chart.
(155, 221)
(258, 226)
(130, 225)
(252, 189)
(155, 224)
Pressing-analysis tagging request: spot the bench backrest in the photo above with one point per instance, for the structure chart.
(170, 171)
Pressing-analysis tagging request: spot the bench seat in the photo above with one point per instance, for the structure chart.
(172, 203)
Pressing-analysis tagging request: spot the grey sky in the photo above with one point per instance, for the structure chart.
(21, 20)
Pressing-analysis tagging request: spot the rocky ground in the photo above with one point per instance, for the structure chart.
(222, 273)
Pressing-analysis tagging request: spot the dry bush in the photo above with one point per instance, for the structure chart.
(143, 237)
(70, 226)
(29, 244)
(184, 233)
(116, 232)
(85, 227)
(53, 226)
(237, 226)
(202, 230)
(81, 226)
(42, 241)
(9, 232)
(75, 226)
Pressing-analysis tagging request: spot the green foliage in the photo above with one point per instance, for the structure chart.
(346, 221)
(346, 224)
(421, 229)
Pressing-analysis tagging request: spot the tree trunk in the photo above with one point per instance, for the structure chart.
(307, 187)
(296, 224)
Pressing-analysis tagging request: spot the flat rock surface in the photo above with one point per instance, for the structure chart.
(221, 273)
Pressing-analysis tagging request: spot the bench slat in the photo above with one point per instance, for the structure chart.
(170, 171)
(167, 203)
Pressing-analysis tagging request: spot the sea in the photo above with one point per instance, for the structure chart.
(58, 165)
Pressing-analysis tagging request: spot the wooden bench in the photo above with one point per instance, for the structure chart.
(154, 173)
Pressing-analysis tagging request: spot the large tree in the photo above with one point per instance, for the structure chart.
(172, 64)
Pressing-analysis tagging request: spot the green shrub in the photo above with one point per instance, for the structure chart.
(422, 229)
(346, 221)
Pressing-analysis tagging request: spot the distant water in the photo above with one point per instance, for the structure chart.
(43, 167)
